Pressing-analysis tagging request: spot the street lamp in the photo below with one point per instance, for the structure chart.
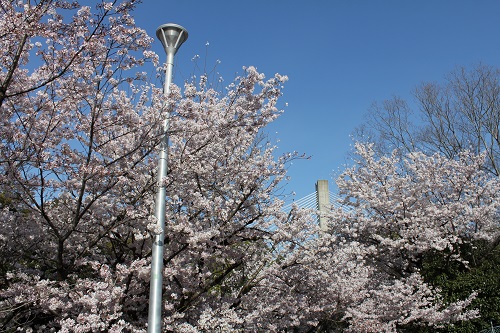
(171, 36)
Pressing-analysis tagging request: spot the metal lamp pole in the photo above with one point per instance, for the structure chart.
(171, 36)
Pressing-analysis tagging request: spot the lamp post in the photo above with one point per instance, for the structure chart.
(171, 36)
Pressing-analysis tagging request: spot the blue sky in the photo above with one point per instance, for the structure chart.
(340, 56)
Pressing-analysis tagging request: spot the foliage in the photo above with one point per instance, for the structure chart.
(480, 273)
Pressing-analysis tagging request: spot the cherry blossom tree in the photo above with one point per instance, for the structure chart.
(401, 208)
(78, 138)
(76, 142)
(456, 114)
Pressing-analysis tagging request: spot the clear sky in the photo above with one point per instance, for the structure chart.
(340, 56)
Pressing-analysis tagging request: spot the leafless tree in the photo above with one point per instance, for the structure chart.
(462, 112)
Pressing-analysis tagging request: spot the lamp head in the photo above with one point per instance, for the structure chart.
(171, 36)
